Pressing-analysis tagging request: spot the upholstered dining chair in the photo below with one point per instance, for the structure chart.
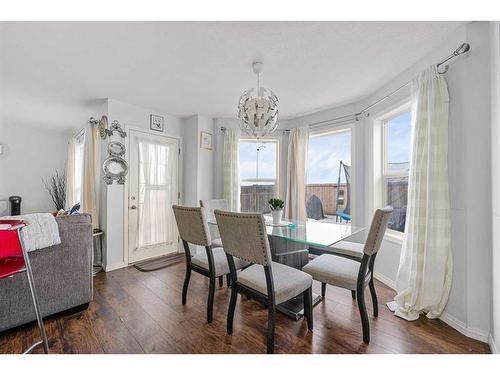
(212, 263)
(353, 270)
(210, 205)
(245, 238)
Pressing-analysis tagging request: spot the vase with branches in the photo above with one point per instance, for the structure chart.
(56, 187)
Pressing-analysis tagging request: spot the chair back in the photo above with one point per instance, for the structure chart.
(377, 230)
(214, 204)
(244, 236)
(192, 225)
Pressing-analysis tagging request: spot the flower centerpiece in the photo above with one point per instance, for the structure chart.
(276, 206)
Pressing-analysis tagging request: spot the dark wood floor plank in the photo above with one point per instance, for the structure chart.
(136, 312)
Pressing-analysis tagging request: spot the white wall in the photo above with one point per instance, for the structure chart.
(205, 160)
(30, 154)
(495, 161)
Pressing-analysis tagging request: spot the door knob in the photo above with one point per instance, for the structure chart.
(133, 207)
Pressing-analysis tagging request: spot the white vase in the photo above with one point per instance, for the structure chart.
(277, 214)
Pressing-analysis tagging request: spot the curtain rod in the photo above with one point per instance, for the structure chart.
(463, 48)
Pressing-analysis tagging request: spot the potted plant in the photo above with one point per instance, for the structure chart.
(276, 206)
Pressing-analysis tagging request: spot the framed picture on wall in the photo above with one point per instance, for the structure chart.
(206, 140)
(156, 123)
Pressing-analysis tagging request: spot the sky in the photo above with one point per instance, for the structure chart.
(325, 153)
(324, 156)
(248, 159)
(398, 138)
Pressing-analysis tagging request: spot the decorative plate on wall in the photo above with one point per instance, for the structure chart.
(114, 168)
(116, 149)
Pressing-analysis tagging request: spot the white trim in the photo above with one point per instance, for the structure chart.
(126, 186)
(460, 326)
(493, 346)
(385, 280)
(394, 236)
(115, 266)
(473, 333)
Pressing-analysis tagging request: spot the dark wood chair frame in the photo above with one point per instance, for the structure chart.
(367, 262)
(210, 273)
(267, 300)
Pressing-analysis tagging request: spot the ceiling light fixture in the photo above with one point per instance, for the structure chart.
(258, 115)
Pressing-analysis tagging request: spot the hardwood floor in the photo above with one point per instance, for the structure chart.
(136, 312)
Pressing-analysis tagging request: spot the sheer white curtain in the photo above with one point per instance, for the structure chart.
(91, 173)
(155, 194)
(230, 169)
(424, 276)
(295, 205)
(74, 170)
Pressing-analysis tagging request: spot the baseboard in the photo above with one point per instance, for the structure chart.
(115, 266)
(447, 318)
(461, 327)
(493, 346)
(385, 280)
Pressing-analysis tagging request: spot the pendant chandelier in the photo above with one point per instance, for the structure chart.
(258, 115)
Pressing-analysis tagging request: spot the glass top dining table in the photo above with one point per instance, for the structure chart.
(292, 242)
(308, 232)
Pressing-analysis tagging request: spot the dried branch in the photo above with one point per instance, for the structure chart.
(56, 187)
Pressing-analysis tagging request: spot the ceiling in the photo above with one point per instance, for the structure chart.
(53, 73)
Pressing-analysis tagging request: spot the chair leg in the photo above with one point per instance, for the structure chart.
(210, 303)
(228, 280)
(34, 296)
(308, 308)
(323, 290)
(185, 285)
(221, 281)
(230, 312)
(364, 315)
(374, 298)
(271, 322)
(353, 294)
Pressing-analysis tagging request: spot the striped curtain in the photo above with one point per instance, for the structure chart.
(424, 276)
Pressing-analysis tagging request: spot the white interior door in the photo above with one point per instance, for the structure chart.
(153, 188)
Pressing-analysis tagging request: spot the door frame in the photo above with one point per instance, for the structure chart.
(126, 186)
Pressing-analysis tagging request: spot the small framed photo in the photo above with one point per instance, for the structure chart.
(206, 140)
(156, 123)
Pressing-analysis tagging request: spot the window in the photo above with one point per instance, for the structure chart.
(258, 173)
(396, 165)
(325, 200)
(74, 170)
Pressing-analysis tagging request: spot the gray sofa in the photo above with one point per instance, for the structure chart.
(62, 273)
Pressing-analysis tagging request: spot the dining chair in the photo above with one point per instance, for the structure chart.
(212, 263)
(210, 206)
(14, 260)
(245, 238)
(354, 273)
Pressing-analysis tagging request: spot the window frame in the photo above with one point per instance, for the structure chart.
(276, 180)
(380, 172)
